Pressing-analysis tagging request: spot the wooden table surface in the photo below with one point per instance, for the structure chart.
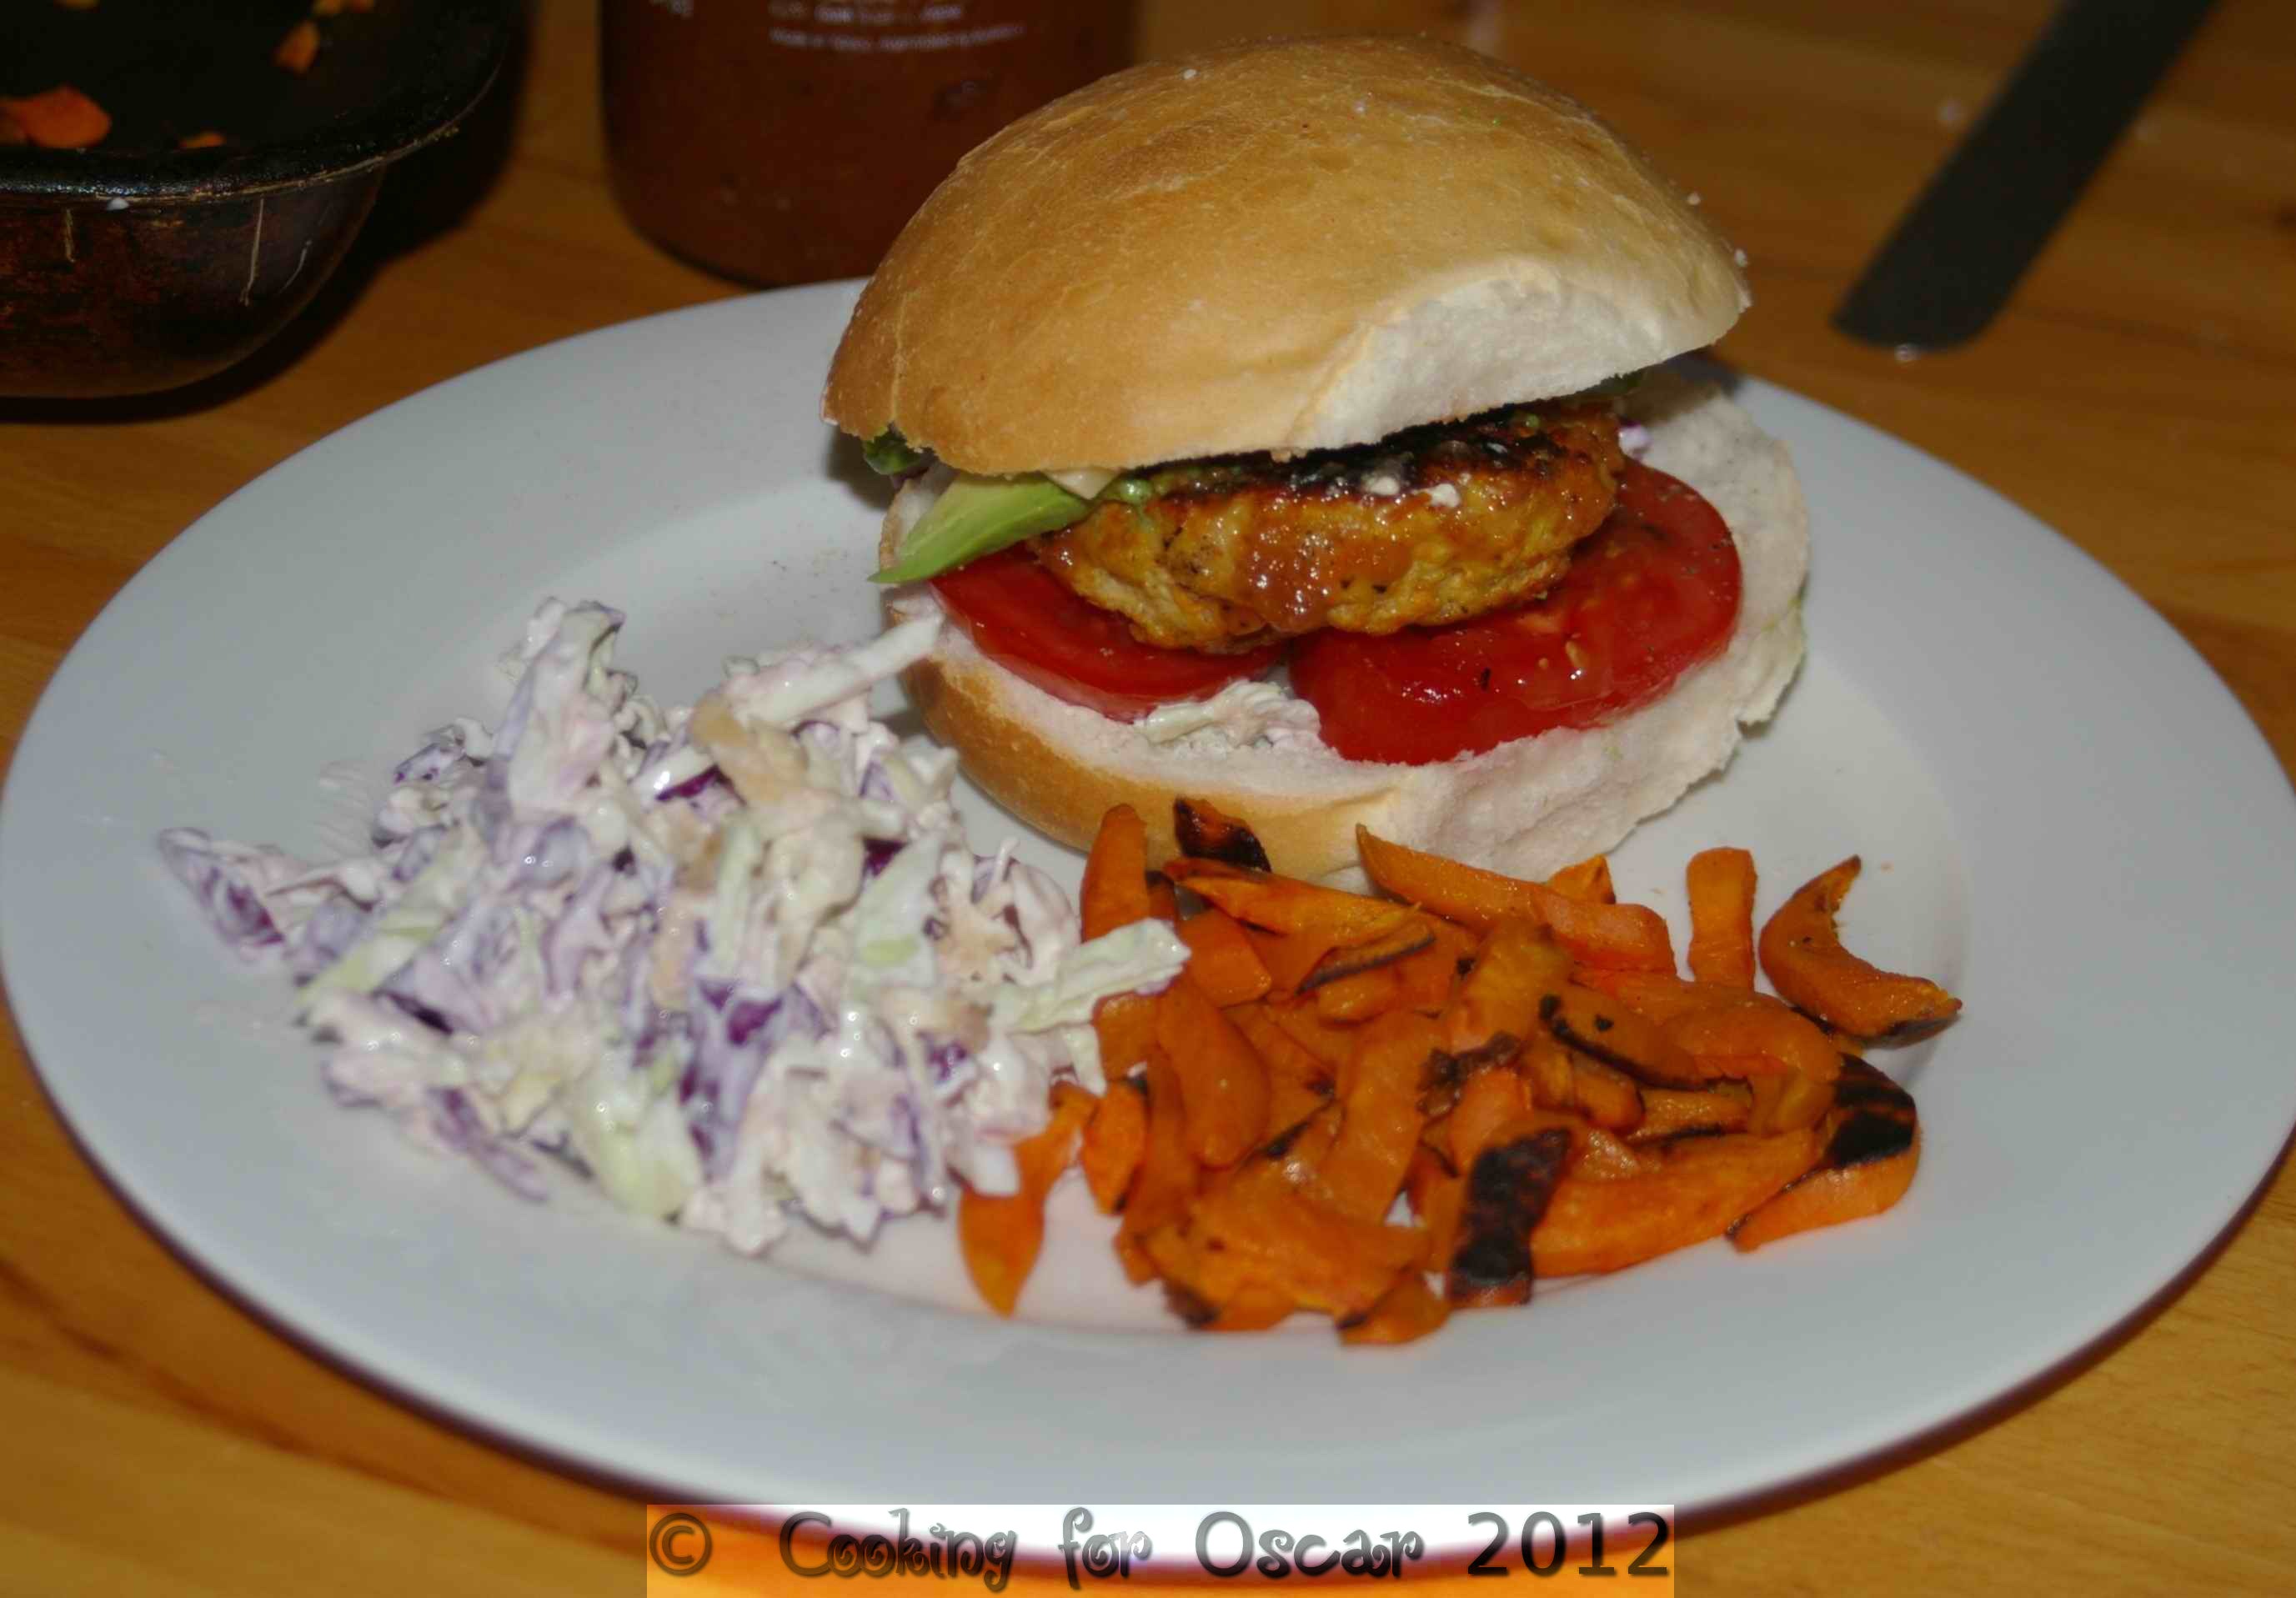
(2135, 395)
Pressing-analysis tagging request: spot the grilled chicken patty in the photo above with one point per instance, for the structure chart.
(1432, 524)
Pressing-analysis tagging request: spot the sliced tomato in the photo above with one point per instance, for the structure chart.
(1019, 616)
(1652, 594)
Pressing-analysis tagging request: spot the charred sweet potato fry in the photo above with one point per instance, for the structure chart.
(1588, 881)
(1594, 1149)
(1170, 1253)
(1621, 937)
(1435, 1130)
(1133, 1255)
(1431, 977)
(1363, 997)
(1517, 968)
(1221, 959)
(1507, 1010)
(1599, 1028)
(1435, 1190)
(1333, 1045)
(1290, 1102)
(1787, 1102)
(1658, 994)
(1205, 1289)
(1298, 1153)
(1802, 955)
(1415, 935)
(1253, 1310)
(1609, 1098)
(1489, 1099)
(1718, 1107)
(1165, 1184)
(1845, 1042)
(1266, 1234)
(1731, 1031)
(1872, 1148)
(1625, 937)
(1207, 832)
(1114, 1140)
(1293, 1157)
(1862, 1093)
(1760, 1033)
(1514, 1176)
(1480, 899)
(1001, 1235)
(1829, 1196)
(1211, 1300)
(1380, 1121)
(1702, 1185)
(1287, 1059)
(1126, 1027)
(1115, 891)
(1605, 1157)
(1290, 957)
(1405, 1313)
(1721, 885)
(1282, 905)
(57, 118)
(1551, 1072)
(1438, 1094)
(1223, 1082)
(1163, 898)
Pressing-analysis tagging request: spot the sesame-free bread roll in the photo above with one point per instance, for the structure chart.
(1280, 246)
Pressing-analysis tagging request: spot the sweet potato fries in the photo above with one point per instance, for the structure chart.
(1348, 1099)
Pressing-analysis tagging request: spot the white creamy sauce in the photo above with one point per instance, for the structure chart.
(1238, 716)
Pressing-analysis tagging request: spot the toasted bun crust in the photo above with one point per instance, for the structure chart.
(1280, 246)
(1528, 808)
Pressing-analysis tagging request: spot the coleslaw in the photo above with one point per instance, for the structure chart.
(734, 961)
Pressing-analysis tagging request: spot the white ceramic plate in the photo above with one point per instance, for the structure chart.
(2062, 813)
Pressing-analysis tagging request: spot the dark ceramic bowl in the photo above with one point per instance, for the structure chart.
(138, 265)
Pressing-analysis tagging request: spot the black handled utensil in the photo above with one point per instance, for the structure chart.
(1956, 255)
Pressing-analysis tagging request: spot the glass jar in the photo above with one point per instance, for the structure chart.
(787, 141)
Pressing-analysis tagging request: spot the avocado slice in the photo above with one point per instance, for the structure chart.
(977, 516)
(890, 454)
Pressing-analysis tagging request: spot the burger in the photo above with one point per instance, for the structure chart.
(1286, 427)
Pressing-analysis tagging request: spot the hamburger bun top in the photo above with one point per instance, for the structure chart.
(1286, 245)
